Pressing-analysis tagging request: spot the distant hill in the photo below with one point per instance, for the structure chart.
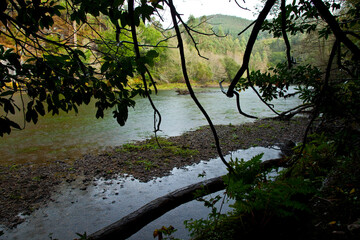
(228, 24)
(232, 25)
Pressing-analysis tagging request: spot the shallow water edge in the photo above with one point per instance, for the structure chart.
(77, 210)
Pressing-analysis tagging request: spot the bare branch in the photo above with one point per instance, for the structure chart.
(239, 107)
(137, 53)
(246, 28)
(237, 101)
(352, 34)
(174, 15)
(263, 14)
(188, 30)
(244, 8)
(318, 101)
(334, 26)
(287, 115)
(283, 30)
(258, 94)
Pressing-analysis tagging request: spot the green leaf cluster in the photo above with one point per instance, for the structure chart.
(60, 66)
(275, 82)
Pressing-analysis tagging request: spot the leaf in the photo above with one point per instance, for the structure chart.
(34, 116)
(57, 9)
(4, 126)
(100, 113)
(117, 3)
(152, 54)
(7, 93)
(8, 107)
(75, 108)
(14, 125)
(28, 116)
(80, 53)
(121, 114)
(3, 6)
(105, 67)
(156, 233)
(40, 108)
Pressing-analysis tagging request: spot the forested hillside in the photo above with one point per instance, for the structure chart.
(222, 48)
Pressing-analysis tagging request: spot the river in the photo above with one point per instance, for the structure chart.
(73, 210)
(68, 136)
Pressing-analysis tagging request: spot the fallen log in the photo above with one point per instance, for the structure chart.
(132, 223)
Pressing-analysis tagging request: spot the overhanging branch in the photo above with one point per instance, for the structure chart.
(137, 54)
(174, 15)
(335, 28)
(283, 30)
(263, 14)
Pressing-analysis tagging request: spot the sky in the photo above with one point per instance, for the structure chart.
(199, 8)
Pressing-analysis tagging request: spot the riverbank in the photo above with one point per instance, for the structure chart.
(174, 86)
(27, 187)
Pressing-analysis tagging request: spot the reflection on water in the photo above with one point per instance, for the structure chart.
(68, 136)
(77, 211)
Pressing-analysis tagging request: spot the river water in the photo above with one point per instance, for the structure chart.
(68, 136)
(77, 211)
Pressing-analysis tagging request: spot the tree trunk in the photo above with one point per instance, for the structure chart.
(133, 222)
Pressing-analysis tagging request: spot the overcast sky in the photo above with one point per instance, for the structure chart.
(200, 8)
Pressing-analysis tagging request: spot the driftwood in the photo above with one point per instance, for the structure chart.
(182, 91)
(133, 222)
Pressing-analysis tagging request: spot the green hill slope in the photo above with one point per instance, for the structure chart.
(229, 24)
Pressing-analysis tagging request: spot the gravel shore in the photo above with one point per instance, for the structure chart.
(24, 188)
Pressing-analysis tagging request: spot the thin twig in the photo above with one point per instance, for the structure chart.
(237, 101)
(247, 28)
(270, 106)
(137, 53)
(188, 84)
(244, 8)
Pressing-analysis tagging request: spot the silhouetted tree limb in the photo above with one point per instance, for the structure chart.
(237, 102)
(283, 30)
(189, 30)
(352, 34)
(270, 106)
(136, 220)
(247, 28)
(244, 8)
(287, 115)
(318, 102)
(142, 73)
(174, 15)
(334, 26)
(254, 33)
(239, 108)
